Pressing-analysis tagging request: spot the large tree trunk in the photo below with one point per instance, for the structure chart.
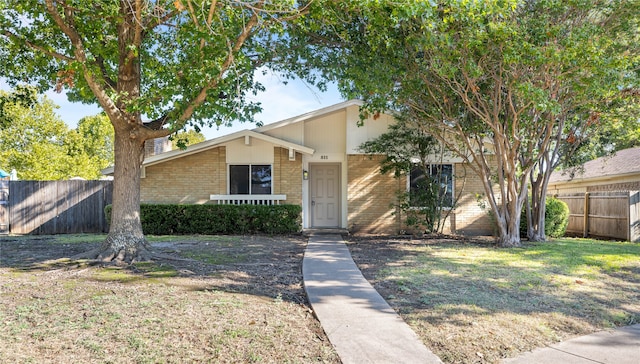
(535, 212)
(539, 185)
(508, 223)
(126, 241)
(507, 209)
(510, 239)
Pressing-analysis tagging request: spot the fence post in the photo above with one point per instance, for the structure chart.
(634, 216)
(629, 194)
(585, 231)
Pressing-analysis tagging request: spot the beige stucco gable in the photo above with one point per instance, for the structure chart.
(335, 129)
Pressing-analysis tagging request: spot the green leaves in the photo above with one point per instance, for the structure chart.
(506, 77)
(186, 138)
(38, 144)
(181, 54)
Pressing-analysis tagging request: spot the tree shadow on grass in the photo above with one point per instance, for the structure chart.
(256, 265)
(441, 280)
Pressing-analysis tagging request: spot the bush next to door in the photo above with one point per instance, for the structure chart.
(218, 219)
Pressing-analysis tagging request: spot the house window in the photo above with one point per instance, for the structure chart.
(250, 179)
(439, 176)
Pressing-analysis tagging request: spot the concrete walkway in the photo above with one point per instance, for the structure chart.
(621, 346)
(358, 321)
(364, 328)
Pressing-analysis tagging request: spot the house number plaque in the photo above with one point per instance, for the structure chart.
(324, 157)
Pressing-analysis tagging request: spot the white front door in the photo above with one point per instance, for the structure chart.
(325, 195)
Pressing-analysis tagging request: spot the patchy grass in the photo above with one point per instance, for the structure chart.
(478, 303)
(218, 258)
(241, 302)
(155, 270)
(240, 299)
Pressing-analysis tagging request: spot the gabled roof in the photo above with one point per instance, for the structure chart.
(310, 115)
(623, 162)
(212, 143)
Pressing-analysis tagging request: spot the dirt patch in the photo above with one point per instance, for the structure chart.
(227, 299)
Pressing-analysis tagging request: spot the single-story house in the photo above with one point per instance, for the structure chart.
(311, 160)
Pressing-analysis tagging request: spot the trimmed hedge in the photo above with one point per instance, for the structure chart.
(218, 219)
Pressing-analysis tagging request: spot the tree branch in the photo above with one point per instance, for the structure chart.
(37, 47)
(137, 36)
(157, 123)
(202, 94)
(80, 56)
(158, 20)
(105, 75)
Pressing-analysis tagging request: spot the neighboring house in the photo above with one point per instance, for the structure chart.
(311, 160)
(603, 198)
(619, 172)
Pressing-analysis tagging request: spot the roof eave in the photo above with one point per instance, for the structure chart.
(196, 148)
(310, 115)
(594, 179)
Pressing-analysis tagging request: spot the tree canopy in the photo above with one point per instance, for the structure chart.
(40, 146)
(186, 138)
(506, 85)
(173, 62)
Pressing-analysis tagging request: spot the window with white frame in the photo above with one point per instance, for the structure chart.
(421, 178)
(249, 179)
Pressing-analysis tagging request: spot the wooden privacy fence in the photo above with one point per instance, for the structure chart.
(58, 207)
(604, 214)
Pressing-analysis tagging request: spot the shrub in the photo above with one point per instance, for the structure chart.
(218, 219)
(556, 218)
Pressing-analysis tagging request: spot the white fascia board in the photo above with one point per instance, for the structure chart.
(310, 115)
(196, 148)
(282, 143)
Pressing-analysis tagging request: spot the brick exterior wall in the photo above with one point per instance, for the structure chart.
(191, 179)
(370, 196)
(187, 180)
(287, 176)
(468, 217)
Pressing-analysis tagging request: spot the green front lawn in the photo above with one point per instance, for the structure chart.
(473, 302)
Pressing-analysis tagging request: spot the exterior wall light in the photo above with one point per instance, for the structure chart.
(305, 175)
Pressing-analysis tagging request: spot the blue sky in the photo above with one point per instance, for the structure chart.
(279, 102)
